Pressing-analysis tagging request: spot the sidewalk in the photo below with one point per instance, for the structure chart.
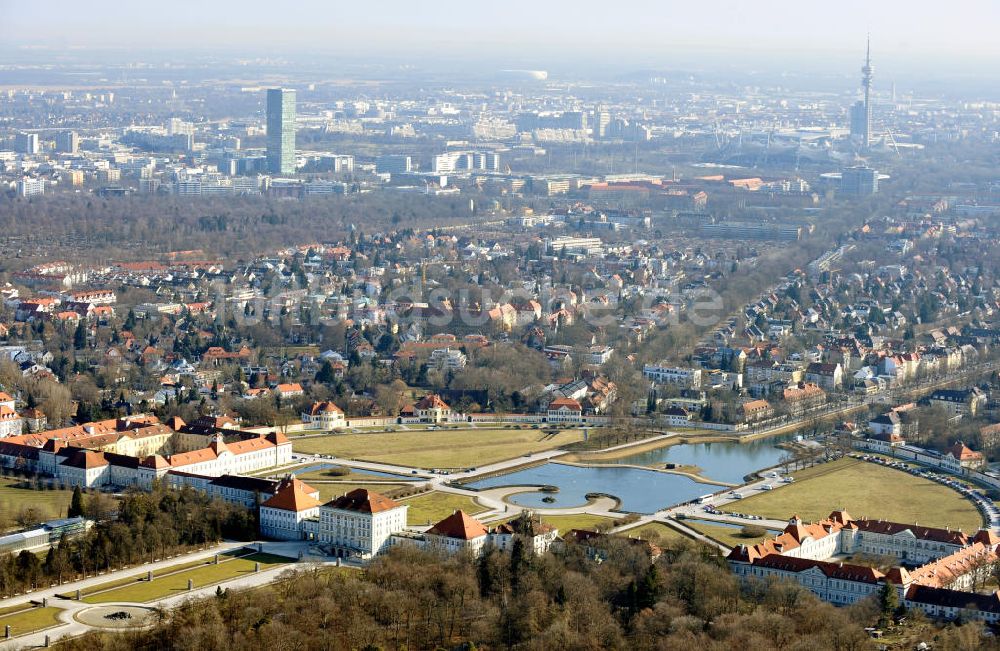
(92, 581)
(73, 628)
(69, 608)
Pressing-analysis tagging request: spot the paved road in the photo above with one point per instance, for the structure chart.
(71, 627)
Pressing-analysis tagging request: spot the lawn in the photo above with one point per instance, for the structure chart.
(175, 584)
(329, 491)
(330, 474)
(438, 449)
(435, 506)
(864, 490)
(728, 536)
(575, 521)
(51, 503)
(135, 578)
(30, 620)
(656, 532)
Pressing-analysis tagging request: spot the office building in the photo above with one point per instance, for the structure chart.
(751, 231)
(574, 120)
(177, 126)
(149, 186)
(394, 164)
(575, 245)
(336, 163)
(67, 142)
(26, 143)
(250, 165)
(858, 181)
(30, 187)
(158, 141)
(281, 130)
(602, 120)
(858, 121)
(110, 175)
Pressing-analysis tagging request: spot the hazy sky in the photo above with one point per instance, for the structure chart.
(524, 30)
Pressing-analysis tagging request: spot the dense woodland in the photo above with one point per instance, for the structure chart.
(415, 600)
(140, 527)
(90, 228)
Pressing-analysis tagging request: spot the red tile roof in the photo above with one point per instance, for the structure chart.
(921, 533)
(568, 403)
(961, 452)
(293, 495)
(431, 401)
(842, 571)
(363, 500)
(325, 407)
(155, 462)
(86, 459)
(459, 525)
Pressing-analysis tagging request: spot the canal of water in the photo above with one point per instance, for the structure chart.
(639, 490)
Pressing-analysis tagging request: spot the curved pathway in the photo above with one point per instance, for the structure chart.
(71, 625)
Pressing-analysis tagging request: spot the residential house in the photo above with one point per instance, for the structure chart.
(564, 410)
(803, 397)
(755, 410)
(324, 415)
(429, 409)
(688, 378)
(959, 403)
(960, 456)
(289, 390)
(827, 376)
(887, 427)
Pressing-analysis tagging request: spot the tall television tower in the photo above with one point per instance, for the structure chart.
(866, 82)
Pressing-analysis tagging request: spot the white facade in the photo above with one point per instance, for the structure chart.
(285, 524)
(683, 377)
(30, 187)
(242, 457)
(447, 359)
(351, 532)
(449, 545)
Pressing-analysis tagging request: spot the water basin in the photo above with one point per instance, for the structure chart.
(640, 491)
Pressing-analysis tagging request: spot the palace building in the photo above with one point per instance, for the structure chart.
(138, 450)
(946, 564)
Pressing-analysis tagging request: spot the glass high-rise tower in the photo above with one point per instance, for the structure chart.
(281, 130)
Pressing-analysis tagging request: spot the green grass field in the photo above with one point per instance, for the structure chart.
(129, 580)
(50, 503)
(729, 536)
(656, 532)
(435, 506)
(326, 475)
(175, 584)
(575, 521)
(438, 449)
(864, 490)
(30, 620)
(329, 491)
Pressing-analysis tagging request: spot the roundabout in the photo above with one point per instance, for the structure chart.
(117, 616)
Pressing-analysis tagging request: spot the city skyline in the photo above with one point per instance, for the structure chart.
(499, 326)
(637, 32)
